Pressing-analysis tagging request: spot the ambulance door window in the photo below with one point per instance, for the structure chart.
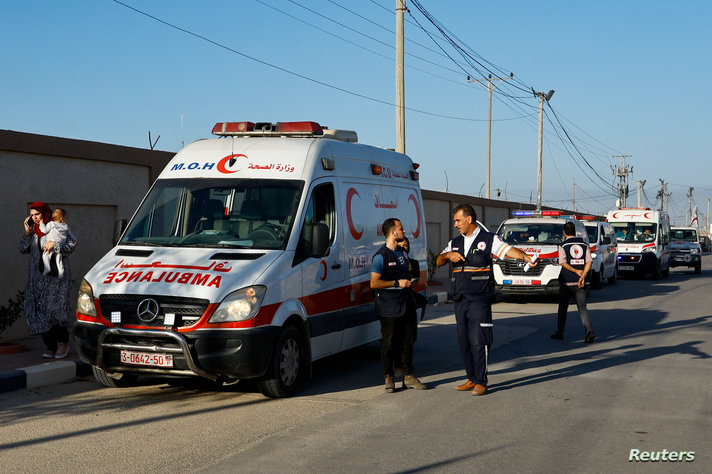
(320, 210)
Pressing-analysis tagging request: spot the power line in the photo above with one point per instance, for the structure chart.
(285, 70)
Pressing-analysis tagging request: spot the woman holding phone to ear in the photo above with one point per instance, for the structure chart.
(46, 304)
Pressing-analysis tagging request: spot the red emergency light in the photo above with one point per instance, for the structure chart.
(586, 218)
(299, 127)
(552, 213)
(376, 169)
(222, 128)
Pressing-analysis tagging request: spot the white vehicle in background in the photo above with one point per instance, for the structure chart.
(536, 233)
(604, 251)
(685, 248)
(643, 241)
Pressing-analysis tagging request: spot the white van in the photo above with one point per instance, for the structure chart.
(685, 248)
(249, 258)
(604, 252)
(533, 232)
(643, 240)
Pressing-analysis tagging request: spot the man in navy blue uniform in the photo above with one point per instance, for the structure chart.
(395, 306)
(473, 291)
(575, 260)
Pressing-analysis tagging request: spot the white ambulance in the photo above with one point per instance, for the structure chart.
(536, 233)
(249, 258)
(643, 241)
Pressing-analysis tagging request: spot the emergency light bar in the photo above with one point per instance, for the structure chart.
(537, 213)
(265, 129)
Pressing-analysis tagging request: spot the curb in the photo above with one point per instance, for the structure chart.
(41, 375)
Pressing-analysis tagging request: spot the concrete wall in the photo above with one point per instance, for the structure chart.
(95, 183)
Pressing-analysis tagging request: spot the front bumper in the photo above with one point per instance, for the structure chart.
(641, 263)
(212, 354)
(685, 259)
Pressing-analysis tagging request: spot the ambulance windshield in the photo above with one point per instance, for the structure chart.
(635, 231)
(532, 233)
(230, 213)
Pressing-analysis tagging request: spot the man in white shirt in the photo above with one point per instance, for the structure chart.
(472, 290)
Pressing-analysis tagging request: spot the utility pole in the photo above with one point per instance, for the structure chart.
(573, 201)
(661, 195)
(400, 78)
(543, 96)
(622, 174)
(689, 206)
(640, 189)
(707, 220)
(490, 88)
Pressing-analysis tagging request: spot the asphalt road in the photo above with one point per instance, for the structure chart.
(553, 406)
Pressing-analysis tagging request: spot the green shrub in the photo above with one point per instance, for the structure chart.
(12, 312)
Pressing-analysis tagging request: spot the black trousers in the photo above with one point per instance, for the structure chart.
(474, 336)
(57, 334)
(397, 340)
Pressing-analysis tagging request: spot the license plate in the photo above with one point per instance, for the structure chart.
(626, 267)
(521, 281)
(147, 358)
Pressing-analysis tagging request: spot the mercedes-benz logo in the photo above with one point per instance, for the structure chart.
(147, 310)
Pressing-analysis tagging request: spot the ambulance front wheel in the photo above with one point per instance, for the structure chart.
(125, 380)
(288, 365)
(698, 268)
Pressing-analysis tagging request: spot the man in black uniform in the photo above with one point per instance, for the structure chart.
(395, 306)
(575, 260)
(473, 291)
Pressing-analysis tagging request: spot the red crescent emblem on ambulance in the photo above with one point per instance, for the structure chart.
(646, 215)
(354, 233)
(614, 215)
(323, 264)
(416, 232)
(221, 164)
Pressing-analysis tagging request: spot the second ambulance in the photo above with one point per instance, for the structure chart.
(643, 241)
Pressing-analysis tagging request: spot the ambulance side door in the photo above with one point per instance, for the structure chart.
(322, 276)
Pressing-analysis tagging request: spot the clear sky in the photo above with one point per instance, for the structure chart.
(630, 79)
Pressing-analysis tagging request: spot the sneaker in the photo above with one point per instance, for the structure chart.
(48, 354)
(410, 381)
(62, 350)
(558, 336)
(390, 384)
(589, 337)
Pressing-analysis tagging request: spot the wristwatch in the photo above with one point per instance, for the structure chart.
(396, 284)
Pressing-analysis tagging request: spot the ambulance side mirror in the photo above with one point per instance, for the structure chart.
(320, 240)
(119, 227)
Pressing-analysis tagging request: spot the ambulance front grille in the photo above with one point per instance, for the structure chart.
(516, 267)
(187, 310)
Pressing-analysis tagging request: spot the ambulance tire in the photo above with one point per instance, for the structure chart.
(698, 269)
(597, 280)
(287, 367)
(126, 380)
(666, 272)
(613, 279)
(656, 273)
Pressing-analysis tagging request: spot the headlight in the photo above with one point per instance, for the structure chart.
(694, 250)
(85, 300)
(648, 249)
(240, 305)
